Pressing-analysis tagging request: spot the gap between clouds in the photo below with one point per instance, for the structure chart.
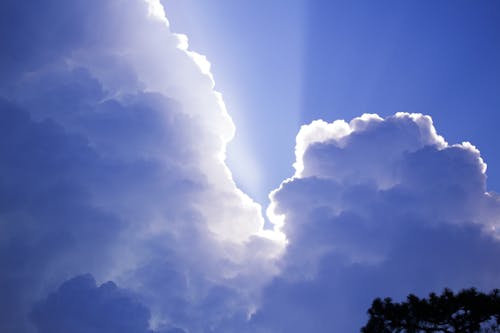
(113, 165)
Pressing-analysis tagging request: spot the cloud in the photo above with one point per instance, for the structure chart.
(112, 163)
(378, 207)
(113, 141)
(80, 306)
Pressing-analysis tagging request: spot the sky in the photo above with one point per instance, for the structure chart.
(258, 61)
(265, 167)
(339, 59)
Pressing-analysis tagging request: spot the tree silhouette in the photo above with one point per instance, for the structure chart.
(468, 311)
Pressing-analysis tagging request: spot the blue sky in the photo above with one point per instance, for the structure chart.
(339, 59)
(356, 134)
(258, 61)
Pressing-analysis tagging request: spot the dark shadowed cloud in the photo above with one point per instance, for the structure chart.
(79, 305)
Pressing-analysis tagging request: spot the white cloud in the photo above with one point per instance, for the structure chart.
(381, 208)
(156, 10)
(115, 167)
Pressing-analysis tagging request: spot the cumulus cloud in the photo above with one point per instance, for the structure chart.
(378, 207)
(80, 306)
(112, 163)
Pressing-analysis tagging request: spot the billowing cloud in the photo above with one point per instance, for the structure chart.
(112, 163)
(80, 306)
(378, 207)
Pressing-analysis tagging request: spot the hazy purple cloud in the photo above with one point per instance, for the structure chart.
(80, 306)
